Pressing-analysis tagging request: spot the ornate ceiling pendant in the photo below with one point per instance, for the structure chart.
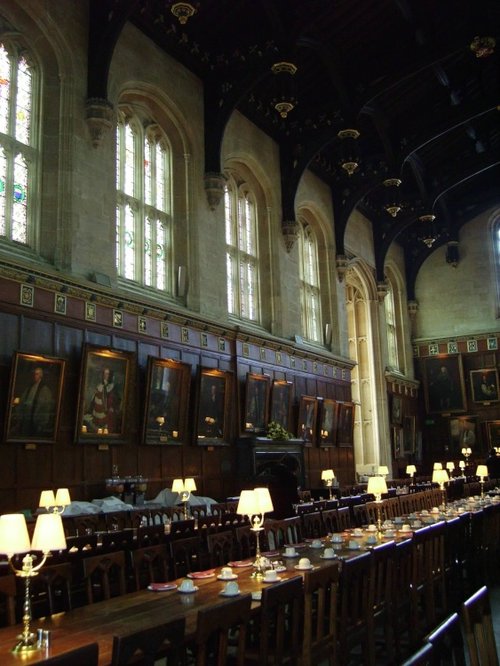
(430, 236)
(393, 206)
(182, 11)
(285, 100)
(482, 47)
(349, 160)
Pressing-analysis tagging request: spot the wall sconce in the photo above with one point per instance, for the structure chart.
(54, 503)
(466, 452)
(14, 540)
(461, 464)
(327, 476)
(411, 470)
(255, 504)
(482, 473)
(377, 487)
(184, 488)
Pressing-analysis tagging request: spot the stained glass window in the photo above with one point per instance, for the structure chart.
(143, 220)
(309, 284)
(242, 264)
(390, 321)
(18, 157)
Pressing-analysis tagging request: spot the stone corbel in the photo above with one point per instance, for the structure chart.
(99, 116)
(382, 290)
(290, 230)
(412, 309)
(342, 264)
(214, 188)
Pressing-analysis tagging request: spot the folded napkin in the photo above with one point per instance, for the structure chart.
(240, 563)
(161, 587)
(202, 574)
(295, 545)
(271, 553)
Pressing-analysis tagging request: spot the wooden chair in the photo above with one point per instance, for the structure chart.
(115, 521)
(104, 574)
(312, 525)
(149, 565)
(371, 509)
(278, 631)
(320, 616)
(117, 540)
(85, 525)
(87, 655)
(280, 532)
(343, 519)
(8, 592)
(455, 559)
(360, 515)
(221, 548)
(80, 545)
(213, 628)
(186, 556)
(51, 589)
(355, 618)
(448, 642)
(390, 508)
(181, 529)
(422, 657)
(478, 629)
(402, 581)
(145, 646)
(330, 520)
(150, 535)
(246, 541)
(382, 573)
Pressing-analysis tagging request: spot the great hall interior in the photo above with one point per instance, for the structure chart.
(218, 215)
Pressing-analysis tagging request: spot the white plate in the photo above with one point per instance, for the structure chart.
(354, 547)
(229, 594)
(232, 577)
(271, 581)
(194, 589)
(331, 557)
(304, 568)
(158, 587)
(257, 596)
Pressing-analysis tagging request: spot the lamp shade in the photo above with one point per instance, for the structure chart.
(461, 464)
(63, 497)
(49, 533)
(47, 499)
(327, 475)
(466, 451)
(411, 469)
(383, 470)
(247, 504)
(437, 465)
(264, 500)
(440, 476)
(376, 485)
(178, 486)
(14, 537)
(482, 471)
(189, 484)
(450, 466)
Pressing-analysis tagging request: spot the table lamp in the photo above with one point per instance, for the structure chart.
(437, 465)
(461, 464)
(450, 466)
(383, 470)
(255, 504)
(377, 487)
(327, 476)
(54, 503)
(411, 470)
(14, 540)
(466, 452)
(184, 488)
(441, 477)
(482, 473)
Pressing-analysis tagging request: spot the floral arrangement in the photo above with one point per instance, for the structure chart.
(276, 431)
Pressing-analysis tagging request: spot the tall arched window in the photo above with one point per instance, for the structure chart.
(391, 328)
(143, 209)
(310, 293)
(18, 144)
(242, 262)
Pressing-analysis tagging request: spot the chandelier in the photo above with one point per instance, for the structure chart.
(182, 11)
(393, 205)
(430, 235)
(349, 160)
(285, 99)
(482, 47)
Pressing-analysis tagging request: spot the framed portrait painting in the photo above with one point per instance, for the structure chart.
(444, 389)
(308, 415)
(408, 435)
(463, 433)
(35, 392)
(345, 435)
(167, 398)
(256, 411)
(493, 433)
(281, 403)
(103, 404)
(214, 400)
(328, 422)
(396, 409)
(484, 385)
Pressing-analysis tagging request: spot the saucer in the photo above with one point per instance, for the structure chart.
(229, 594)
(257, 596)
(331, 557)
(232, 577)
(278, 578)
(194, 589)
(162, 587)
(294, 555)
(313, 545)
(303, 568)
(354, 547)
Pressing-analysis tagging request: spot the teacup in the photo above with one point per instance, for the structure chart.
(353, 545)
(460, 509)
(337, 538)
(434, 509)
(372, 528)
(398, 520)
(304, 563)
(390, 533)
(187, 585)
(417, 523)
(226, 572)
(372, 538)
(405, 528)
(316, 543)
(424, 512)
(270, 575)
(231, 588)
(357, 532)
(328, 552)
(290, 551)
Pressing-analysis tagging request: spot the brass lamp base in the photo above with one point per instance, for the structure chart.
(258, 564)
(26, 643)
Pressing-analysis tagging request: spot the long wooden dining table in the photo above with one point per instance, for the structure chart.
(134, 611)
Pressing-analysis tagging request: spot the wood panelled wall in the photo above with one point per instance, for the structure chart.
(25, 470)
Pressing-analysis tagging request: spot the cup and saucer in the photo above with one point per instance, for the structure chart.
(231, 589)
(354, 545)
(187, 587)
(316, 543)
(271, 576)
(290, 552)
(328, 554)
(226, 573)
(304, 564)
